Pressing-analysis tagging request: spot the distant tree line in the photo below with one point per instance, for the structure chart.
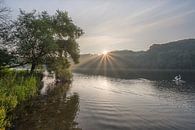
(174, 55)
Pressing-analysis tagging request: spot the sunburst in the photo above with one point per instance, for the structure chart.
(105, 52)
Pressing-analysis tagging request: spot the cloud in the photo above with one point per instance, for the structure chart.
(125, 24)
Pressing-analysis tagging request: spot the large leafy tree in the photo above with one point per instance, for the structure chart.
(38, 37)
(32, 38)
(66, 33)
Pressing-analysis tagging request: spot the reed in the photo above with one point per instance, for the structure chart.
(15, 87)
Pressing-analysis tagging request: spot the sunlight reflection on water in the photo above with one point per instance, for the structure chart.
(108, 103)
(102, 103)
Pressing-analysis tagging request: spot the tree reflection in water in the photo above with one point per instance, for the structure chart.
(56, 111)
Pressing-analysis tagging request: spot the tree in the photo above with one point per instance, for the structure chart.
(5, 57)
(4, 13)
(36, 37)
(32, 38)
(66, 33)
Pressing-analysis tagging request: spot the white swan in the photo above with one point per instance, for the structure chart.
(48, 81)
(178, 80)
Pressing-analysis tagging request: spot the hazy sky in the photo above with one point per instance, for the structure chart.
(121, 24)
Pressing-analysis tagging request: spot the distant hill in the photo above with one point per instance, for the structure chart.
(177, 55)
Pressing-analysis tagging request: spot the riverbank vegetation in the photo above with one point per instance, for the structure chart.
(15, 87)
(39, 38)
(33, 39)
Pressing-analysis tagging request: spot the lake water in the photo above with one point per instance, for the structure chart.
(102, 103)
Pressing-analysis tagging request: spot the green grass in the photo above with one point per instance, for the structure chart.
(15, 87)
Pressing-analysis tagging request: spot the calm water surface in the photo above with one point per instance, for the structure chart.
(102, 103)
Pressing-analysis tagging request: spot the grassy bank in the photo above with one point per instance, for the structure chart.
(15, 87)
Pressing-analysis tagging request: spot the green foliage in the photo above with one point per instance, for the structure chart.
(5, 58)
(38, 36)
(32, 37)
(69, 47)
(15, 88)
(61, 67)
(66, 33)
(4, 13)
(2, 117)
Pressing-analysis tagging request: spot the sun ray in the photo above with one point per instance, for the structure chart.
(104, 63)
(105, 52)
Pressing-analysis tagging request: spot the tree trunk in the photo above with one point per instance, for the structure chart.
(32, 68)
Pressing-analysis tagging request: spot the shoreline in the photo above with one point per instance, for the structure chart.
(153, 74)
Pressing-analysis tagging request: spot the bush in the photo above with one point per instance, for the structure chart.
(61, 66)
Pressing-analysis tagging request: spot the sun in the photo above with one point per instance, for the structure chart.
(105, 52)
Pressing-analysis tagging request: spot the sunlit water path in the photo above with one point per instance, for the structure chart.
(113, 104)
(102, 103)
